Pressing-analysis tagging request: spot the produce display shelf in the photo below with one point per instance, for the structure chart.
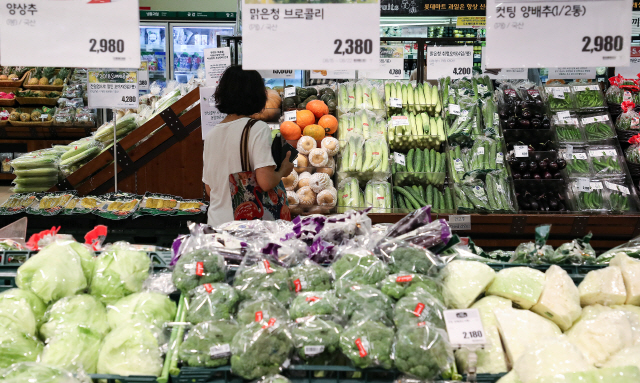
(122, 379)
(44, 132)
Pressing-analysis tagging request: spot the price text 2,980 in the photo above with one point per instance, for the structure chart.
(602, 43)
(106, 45)
(353, 47)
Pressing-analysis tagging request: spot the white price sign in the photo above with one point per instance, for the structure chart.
(112, 89)
(395, 102)
(502, 73)
(455, 62)
(389, 69)
(278, 73)
(350, 37)
(216, 61)
(290, 115)
(399, 158)
(143, 76)
(584, 185)
(581, 32)
(522, 151)
(399, 121)
(460, 222)
(454, 109)
(464, 327)
(104, 34)
(209, 114)
(572, 73)
(339, 74)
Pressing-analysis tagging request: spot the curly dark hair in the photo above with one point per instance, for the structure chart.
(240, 92)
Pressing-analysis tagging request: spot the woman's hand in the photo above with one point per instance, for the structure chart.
(268, 177)
(287, 166)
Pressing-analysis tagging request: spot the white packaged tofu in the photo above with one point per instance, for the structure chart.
(560, 299)
(464, 281)
(523, 285)
(631, 275)
(604, 286)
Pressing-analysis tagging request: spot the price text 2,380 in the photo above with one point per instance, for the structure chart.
(357, 47)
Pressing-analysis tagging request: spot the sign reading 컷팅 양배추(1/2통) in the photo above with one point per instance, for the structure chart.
(519, 32)
(324, 35)
(94, 34)
(112, 89)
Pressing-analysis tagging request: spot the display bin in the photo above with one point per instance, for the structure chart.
(406, 142)
(104, 378)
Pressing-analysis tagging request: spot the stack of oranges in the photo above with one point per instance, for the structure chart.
(314, 121)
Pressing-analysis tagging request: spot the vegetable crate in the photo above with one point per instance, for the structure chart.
(122, 379)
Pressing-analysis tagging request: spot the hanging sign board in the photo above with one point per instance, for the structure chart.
(455, 62)
(572, 73)
(112, 89)
(143, 76)
(389, 69)
(93, 34)
(210, 116)
(339, 74)
(582, 34)
(216, 61)
(633, 69)
(317, 35)
(475, 22)
(503, 73)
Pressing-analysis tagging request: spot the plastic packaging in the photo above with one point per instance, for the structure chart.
(576, 252)
(317, 340)
(629, 119)
(589, 195)
(578, 162)
(598, 126)
(429, 235)
(249, 359)
(560, 98)
(212, 301)
(377, 194)
(363, 301)
(314, 303)
(261, 310)
(549, 358)
(74, 349)
(603, 286)
(75, 311)
(423, 351)
(199, 263)
(309, 276)
(368, 344)
(560, 298)
(406, 257)
(568, 128)
(208, 344)
(131, 349)
(605, 159)
(588, 97)
(417, 307)
(621, 197)
(261, 276)
(464, 281)
(118, 206)
(358, 265)
(399, 285)
(38, 372)
(149, 307)
(522, 285)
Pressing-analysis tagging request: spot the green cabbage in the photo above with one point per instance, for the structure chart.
(131, 349)
(16, 346)
(80, 310)
(154, 308)
(74, 349)
(464, 281)
(40, 373)
(119, 271)
(17, 315)
(37, 306)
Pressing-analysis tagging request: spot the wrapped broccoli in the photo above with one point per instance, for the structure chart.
(398, 285)
(368, 344)
(363, 301)
(260, 349)
(212, 301)
(310, 276)
(207, 344)
(409, 258)
(314, 303)
(417, 307)
(530, 252)
(360, 266)
(261, 310)
(197, 267)
(259, 277)
(317, 340)
(424, 352)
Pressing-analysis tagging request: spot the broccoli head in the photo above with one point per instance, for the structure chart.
(260, 349)
(317, 341)
(261, 311)
(314, 303)
(212, 301)
(198, 267)
(368, 344)
(424, 352)
(417, 307)
(398, 285)
(360, 267)
(263, 279)
(364, 301)
(207, 344)
(310, 276)
(411, 259)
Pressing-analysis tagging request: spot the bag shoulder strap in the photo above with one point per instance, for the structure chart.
(244, 145)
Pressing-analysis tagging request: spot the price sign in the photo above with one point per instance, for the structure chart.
(580, 30)
(455, 62)
(579, 156)
(564, 114)
(112, 89)
(277, 73)
(339, 74)
(143, 76)
(522, 151)
(395, 102)
(583, 185)
(460, 222)
(209, 114)
(93, 42)
(400, 120)
(502, 73)
(216, 61)
(623, 189)
(454, 109)
(572, 73)
(633, 69)
(290, 115)
(499, 158)
(350, 37)
(389, 69)
(464, 327)
(289, 91)
(399, 158)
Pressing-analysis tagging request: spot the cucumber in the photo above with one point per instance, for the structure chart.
(410, 198)
(416, 196)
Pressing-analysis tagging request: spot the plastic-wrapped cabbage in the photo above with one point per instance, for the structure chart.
(119, 271)
(198, 267)
(60, 269)
(17, 315)
(154, 308)
(633, 314)
(417, 307)
(131, 349)
(626, 374)
(40, 373)
(207, 344)
(249, 356)
(261, 310)
(560, 299)
(310, 276)
(523, 285)
(359, 266)
(398, 285)
(464, 281)
(424, 352)
(363, 301)
(37, 306)
(74, 349)
(604, 286)
(17, 346)
(317, 340)
(212, 301)
(629, 356)
(550, 357)
(368, 344)
(631, 275)
(80, 310)
(314, 303)
(258, 277)
(576, 252)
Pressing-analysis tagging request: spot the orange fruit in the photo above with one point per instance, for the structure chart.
(290, 130)
(304, 118)
(318, 108)
(329, 123)
(314, 131)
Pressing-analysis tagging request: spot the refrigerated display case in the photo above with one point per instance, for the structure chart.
(154, 49)
(189, 42)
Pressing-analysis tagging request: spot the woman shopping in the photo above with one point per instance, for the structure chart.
(239, 172)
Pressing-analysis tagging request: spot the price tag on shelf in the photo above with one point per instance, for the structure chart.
(499, 158)
(569, 24)
(611, 186)
(454, 62)
(460, 222)
(564, 114)
(623, 189)
(584, 185)
(278, 73)
(350, 37)
(583, 88)
(480, 150)
(558, 92)
(464, 327)
(395, 102)
(290, 91)
(579, 156)
(602, 152)
(93, 43)
(143, 76)
(216, 61)
(595, 185)
(290, 115)
(112, 89)
(400, 120)
(454, 109)
(522, 151)
(389, 69)
(399, 158)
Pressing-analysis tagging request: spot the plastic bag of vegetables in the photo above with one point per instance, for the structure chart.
(358, 301)
(398, 285)
(317, 340)
(207, 344)
(16, 314)
(534, 252)
(632, 153)
(368, 343)
(79, 310)
(629, 119)
(38, 308)
(406, 257)
(153, 308)
(417, 307)
(261, 310)
(74, 349)
(314, 303)
(576, 252)
(309, 276)
(38, 372)
(17, 346)
(359, 265)
(261, 276)
(199, 263)
(212, 301)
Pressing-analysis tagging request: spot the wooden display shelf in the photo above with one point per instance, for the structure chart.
(7, 176)
(9, 132)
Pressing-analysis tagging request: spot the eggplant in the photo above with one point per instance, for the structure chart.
(526, 113)
(535, 123)
(557, 175)
(518, 110)
(526, 176)
(525, 205)
(538, 116)
(537, 156)
(524, 123)
(535, 205)
(543, 165)
(553, 204)
(546, 124)
(533, 166)
(537, 176)
(514, 163)
(517, 176)
(562, 163)
(503, 113)
(547, 176)
(523, 166)
(554, 166)
(561, 207)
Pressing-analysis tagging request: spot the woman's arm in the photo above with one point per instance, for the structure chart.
(268, 177)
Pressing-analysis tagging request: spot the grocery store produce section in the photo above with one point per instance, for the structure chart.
(331, 298)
